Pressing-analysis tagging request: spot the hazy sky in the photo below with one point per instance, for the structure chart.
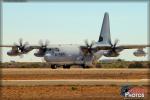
(73, 22)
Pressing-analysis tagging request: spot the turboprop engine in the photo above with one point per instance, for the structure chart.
(19, 49)
(13, 52)
(42, 49)
(111, 54)
(114, 51)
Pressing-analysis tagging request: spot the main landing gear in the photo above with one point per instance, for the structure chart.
(54, 66)
(84, 66)
(66, 66)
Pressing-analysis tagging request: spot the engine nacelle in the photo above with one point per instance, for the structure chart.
(39, 54)
(110, 54)
(13, 53)
(139, 53)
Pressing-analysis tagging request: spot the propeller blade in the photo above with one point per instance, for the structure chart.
(110, 43)
(41, 43)
(116, 42)
(46, 43)
(87, 49)
(86, 43)
(26, 44)
(20, 41)
(92, 44)
(43, 46)
(114, 46)
(21, 46)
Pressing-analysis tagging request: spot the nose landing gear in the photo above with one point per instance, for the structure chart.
(66, 66)
(53, 66)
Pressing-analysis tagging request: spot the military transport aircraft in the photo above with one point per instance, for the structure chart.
(72, 54)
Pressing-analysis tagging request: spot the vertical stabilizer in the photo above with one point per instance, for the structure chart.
(105, 30)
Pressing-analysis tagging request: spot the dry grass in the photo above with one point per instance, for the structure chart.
(116, 64)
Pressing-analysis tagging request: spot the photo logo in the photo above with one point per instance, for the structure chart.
(130, 91)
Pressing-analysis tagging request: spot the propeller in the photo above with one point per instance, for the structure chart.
(114, 46)
(43, 46)
(21, 46)
(88, 47)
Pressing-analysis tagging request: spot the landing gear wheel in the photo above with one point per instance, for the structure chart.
(66, 66)
(84, 66)
(53, 66)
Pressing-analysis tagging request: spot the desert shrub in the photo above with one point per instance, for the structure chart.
(120, 66)
(119, 60)
(34, 65)
(148, 65)
(98, 65)
(23, 66)
(136, 65)
(73, 88)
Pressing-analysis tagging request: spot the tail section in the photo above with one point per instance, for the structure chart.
(105, 30)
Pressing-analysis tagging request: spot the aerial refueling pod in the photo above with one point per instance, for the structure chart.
(139, 53)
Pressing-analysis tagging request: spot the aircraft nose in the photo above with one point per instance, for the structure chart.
(47, 56)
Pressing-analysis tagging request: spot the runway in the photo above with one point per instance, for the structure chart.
(110, 82)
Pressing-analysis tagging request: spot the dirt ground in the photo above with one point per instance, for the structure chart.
(74, 76)
(40, 74)
(101, 92)
(65, 93)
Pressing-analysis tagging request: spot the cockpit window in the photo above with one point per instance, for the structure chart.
(59, 54)
(53, 49)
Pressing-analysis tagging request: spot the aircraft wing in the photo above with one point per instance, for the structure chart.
(6, 46)
(121, 47)
(133, 46)
(17, 50)
(13, 46)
